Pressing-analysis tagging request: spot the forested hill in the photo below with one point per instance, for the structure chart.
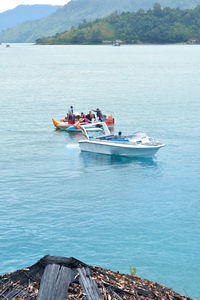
(156, 25)
(74, 12)
(22, 13)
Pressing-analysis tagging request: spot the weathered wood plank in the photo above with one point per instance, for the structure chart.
(48, 281)
(55, 282)
(12, 293)
(66, 276)
(89, 286)
(116, 295)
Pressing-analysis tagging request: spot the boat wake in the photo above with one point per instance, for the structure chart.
(72, 146)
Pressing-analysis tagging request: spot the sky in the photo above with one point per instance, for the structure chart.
(9, 4)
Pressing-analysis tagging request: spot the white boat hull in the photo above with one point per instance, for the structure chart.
(119, 149)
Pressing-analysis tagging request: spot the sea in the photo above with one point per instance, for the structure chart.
(114, 212)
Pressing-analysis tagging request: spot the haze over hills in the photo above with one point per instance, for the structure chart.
(24, 13)
(76, 11)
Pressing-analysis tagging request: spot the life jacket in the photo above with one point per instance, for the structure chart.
(110, 119)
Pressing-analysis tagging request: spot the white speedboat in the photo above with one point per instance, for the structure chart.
(136, 145)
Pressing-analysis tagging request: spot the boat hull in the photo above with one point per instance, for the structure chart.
(74, 129)
(64, 126)
(117, 149)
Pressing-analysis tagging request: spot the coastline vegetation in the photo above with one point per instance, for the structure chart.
(154, 26)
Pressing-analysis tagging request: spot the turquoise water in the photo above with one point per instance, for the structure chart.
(108, 211)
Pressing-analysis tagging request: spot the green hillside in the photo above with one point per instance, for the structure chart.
(156, 25)
(76, 11)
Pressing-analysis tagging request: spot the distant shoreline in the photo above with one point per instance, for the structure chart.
(110, 45)
(141, 44)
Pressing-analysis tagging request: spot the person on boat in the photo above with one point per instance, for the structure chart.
(71, 113)
(71, 110)
(110, 120)
(71, 117)
(86, 120)
(66, 119)
(91, 117)
(104, 118)
(99, 114)
(77, 119)
(82, 117)
(71, 122)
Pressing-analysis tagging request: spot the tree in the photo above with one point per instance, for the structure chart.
(157, 10)
(95, 36)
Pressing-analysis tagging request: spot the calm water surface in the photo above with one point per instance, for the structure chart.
(113, 212)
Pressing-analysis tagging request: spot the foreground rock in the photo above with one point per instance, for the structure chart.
(63, 278)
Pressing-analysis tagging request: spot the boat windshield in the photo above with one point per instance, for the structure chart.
(112, 137)
(136, 135)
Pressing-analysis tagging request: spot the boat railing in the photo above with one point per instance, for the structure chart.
(98, 124)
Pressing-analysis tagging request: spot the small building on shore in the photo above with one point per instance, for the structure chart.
(107, 42)
(193, 41)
